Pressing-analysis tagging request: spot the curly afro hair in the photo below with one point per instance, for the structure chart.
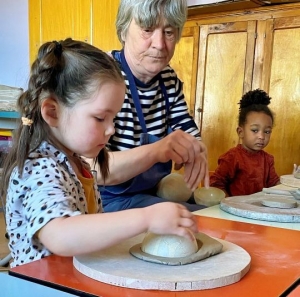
(256, 100)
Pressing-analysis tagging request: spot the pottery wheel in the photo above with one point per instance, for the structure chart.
(252, 207)
(290, 180)
(116, 266)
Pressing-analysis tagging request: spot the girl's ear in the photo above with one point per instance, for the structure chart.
(50, 111)
(240, 132)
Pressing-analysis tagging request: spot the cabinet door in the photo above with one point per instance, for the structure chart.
(280, 76)
(225, 67)
(185, 64)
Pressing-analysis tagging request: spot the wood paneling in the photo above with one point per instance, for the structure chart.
(184, 62)
(57, 20)
(221, 6)
(244, 50)
(221, 56)
(104, 32)
(284, 88)
(92, 21)
(225, 57)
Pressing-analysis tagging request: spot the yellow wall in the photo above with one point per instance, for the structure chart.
(92, 21)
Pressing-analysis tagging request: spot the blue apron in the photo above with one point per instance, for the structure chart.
(139, 191)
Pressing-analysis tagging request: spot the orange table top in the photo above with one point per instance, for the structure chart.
(275, 265)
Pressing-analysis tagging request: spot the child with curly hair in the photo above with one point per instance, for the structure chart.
(247, 169)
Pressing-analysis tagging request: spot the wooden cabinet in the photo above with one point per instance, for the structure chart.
(184, 62)
(219, 57)
(280, 75)
(236, 52)
(223, 70)
(92, 21)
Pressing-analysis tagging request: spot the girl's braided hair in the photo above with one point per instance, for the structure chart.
(69, 71)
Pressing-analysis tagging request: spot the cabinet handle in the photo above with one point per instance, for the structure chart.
(199, 109)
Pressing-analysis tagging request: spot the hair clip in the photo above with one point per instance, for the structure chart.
(26, 121)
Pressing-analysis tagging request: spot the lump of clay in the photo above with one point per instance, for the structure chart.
(170, 246)
(173, 187)
(175, 250)
(208, 196)
(279, 202)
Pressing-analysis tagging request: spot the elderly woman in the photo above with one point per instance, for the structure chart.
(153, 128)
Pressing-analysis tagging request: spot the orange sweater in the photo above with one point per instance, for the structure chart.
(241, 172)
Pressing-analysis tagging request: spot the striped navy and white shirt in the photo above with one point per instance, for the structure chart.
(127, 126)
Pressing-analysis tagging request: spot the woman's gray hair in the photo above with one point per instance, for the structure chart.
(148, 13)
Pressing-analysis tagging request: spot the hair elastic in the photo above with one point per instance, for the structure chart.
(58, 49)
(26, 121)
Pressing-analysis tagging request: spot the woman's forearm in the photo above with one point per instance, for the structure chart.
(124, 165)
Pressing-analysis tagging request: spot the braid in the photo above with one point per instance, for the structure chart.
(68, 71)
(41, 82)
(43, 77)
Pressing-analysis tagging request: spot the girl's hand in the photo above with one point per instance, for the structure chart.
(170, 218)
(296, 169)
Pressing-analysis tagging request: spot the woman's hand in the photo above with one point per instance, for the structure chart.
(185, 150)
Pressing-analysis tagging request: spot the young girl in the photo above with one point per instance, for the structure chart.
(52, 202)
(247, 169)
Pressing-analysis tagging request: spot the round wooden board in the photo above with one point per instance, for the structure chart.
(116, 266)
(250, 206)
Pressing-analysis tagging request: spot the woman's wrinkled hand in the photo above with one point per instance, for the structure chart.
(185, 150)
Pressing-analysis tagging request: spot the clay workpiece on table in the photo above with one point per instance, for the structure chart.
(116, 266)
(208, 196)
(175, 250)
(279, 202)
(173, 187)
(251, 206)
(296, 194)
(290, 180)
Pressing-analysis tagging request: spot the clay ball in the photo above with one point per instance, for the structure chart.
(173, 187)
(208, 196)
(169, 246)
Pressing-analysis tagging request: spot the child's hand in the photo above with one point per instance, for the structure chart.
(296, 171)
(170, 218)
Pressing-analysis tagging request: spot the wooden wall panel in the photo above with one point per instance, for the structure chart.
(56, 20)
(272, 64)
(224, 71)
(185, 64)
(221, 56)
(285, 93)
(103, 24)
(222, 92)
(92, 21)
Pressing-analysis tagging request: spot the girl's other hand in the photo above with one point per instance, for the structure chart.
(170, 218)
